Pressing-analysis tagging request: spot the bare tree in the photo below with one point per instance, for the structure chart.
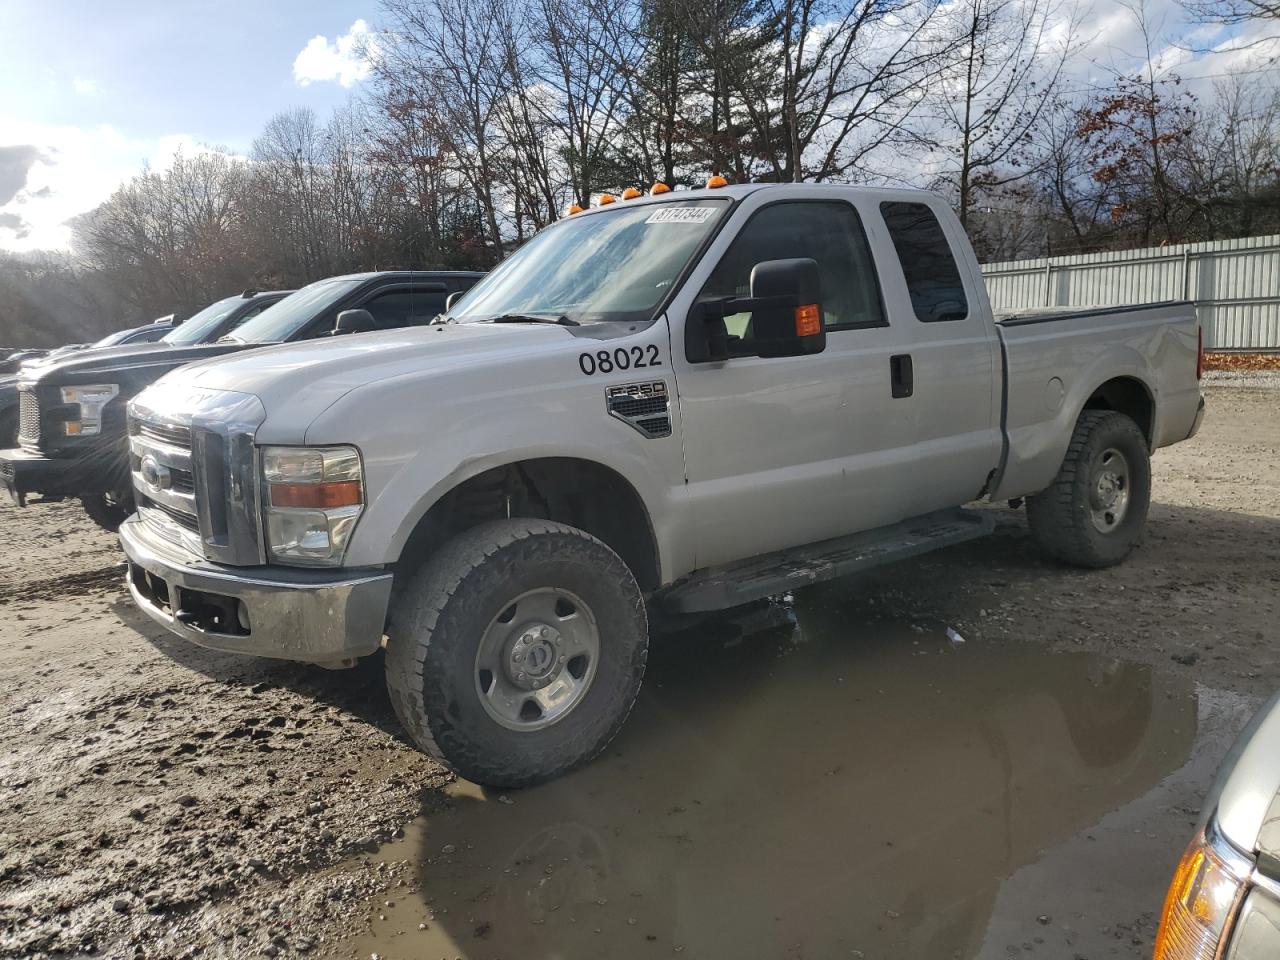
(449, 53)
(992, 97)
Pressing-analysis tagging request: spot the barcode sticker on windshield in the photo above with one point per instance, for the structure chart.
(681, 215)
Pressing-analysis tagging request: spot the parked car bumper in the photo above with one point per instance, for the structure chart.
(317, 616)
(24, 471)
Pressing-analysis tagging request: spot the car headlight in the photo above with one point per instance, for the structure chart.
(90, 400)
(313, 497)
(1207, 887)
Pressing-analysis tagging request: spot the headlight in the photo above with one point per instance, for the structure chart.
(91, 400)
(1202, 899)
(313, 498)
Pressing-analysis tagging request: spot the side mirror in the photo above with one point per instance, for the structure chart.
(354, 321)
(786, 316)
(453, 298)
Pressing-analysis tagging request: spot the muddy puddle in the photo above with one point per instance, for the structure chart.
(817, 788)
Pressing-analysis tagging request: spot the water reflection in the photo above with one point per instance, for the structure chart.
(829, 789)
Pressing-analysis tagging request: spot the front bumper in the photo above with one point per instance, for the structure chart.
(24, 471)
(317, 616)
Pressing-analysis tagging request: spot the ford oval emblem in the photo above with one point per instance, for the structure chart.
(155, 475)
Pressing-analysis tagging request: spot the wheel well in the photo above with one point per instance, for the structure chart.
(581, 493)
(1128, 396)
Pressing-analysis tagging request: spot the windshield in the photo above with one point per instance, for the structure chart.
(286, 317)
(618, 265)
(111, 339)
(198, 328)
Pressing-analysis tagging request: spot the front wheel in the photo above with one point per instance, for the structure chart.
(108, 510)
(516, 652)
(1093, 513)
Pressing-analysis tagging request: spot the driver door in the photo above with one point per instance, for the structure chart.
(792, 450)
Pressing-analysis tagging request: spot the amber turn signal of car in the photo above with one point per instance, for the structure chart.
(1199, 906)
(606, 198)
(716, 181)
(630, 193)
(316, 496)
(658, 188)
(573, 208)
(808, 320)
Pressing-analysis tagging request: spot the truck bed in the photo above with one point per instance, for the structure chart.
(1054, 359)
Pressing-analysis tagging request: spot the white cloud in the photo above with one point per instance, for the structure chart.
(344, 61)
(75, 170)
(84, 86)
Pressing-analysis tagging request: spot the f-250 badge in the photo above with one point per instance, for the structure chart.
(644, 406)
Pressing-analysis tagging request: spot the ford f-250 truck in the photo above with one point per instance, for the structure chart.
(72, 440)
(682, 402)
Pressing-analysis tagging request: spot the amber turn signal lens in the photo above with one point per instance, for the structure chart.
(808, 320)
(630, 193)
(658, 188)
(606, 198)
(716, 181)
(573, 208)
(1198, 907)
(316, 496)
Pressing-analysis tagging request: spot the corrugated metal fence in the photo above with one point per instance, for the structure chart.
(1235, 285)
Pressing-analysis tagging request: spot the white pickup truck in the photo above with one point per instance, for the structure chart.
(686, 402)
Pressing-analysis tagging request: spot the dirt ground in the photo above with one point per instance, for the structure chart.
(161, 800)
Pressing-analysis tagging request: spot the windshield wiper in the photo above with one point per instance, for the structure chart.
(561, 319)
(228, 339)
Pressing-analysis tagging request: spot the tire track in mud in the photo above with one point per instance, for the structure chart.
(59, 588)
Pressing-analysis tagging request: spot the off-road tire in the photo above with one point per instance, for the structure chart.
(107, 512)
(436, 624)
(1060, 516)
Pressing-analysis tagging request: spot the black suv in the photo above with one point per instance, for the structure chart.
(72, 438)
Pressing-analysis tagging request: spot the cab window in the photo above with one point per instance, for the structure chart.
(933, 278)
(405, 307)
(829, 232)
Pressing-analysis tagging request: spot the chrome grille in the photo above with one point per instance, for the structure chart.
(160, 461)
(195, 469)
(28, 418)
(174, 434)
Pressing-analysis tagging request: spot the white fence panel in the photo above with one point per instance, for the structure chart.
(1235, 285)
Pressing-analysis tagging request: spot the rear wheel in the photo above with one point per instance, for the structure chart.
(1093, 513)
(516, 652)
(107, 510)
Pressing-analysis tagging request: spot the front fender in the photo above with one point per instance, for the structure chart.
(419, 437)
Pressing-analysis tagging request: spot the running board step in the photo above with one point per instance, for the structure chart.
(719, 588)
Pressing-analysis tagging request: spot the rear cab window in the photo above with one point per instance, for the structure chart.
(928, 264)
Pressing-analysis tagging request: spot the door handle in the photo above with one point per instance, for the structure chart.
(901, 375)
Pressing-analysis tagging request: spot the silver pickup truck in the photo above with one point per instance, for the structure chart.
(682, 402)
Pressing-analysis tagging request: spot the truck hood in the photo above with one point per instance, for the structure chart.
(116, 361)
(311, 376)
(1248, 809)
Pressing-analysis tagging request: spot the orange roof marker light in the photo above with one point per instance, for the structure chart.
(658, 188)
(630, 193)
(715, 182)
(605, 199)
(573, 208)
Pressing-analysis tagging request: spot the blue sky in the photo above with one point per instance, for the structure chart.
(100, 88)
(92, 91)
